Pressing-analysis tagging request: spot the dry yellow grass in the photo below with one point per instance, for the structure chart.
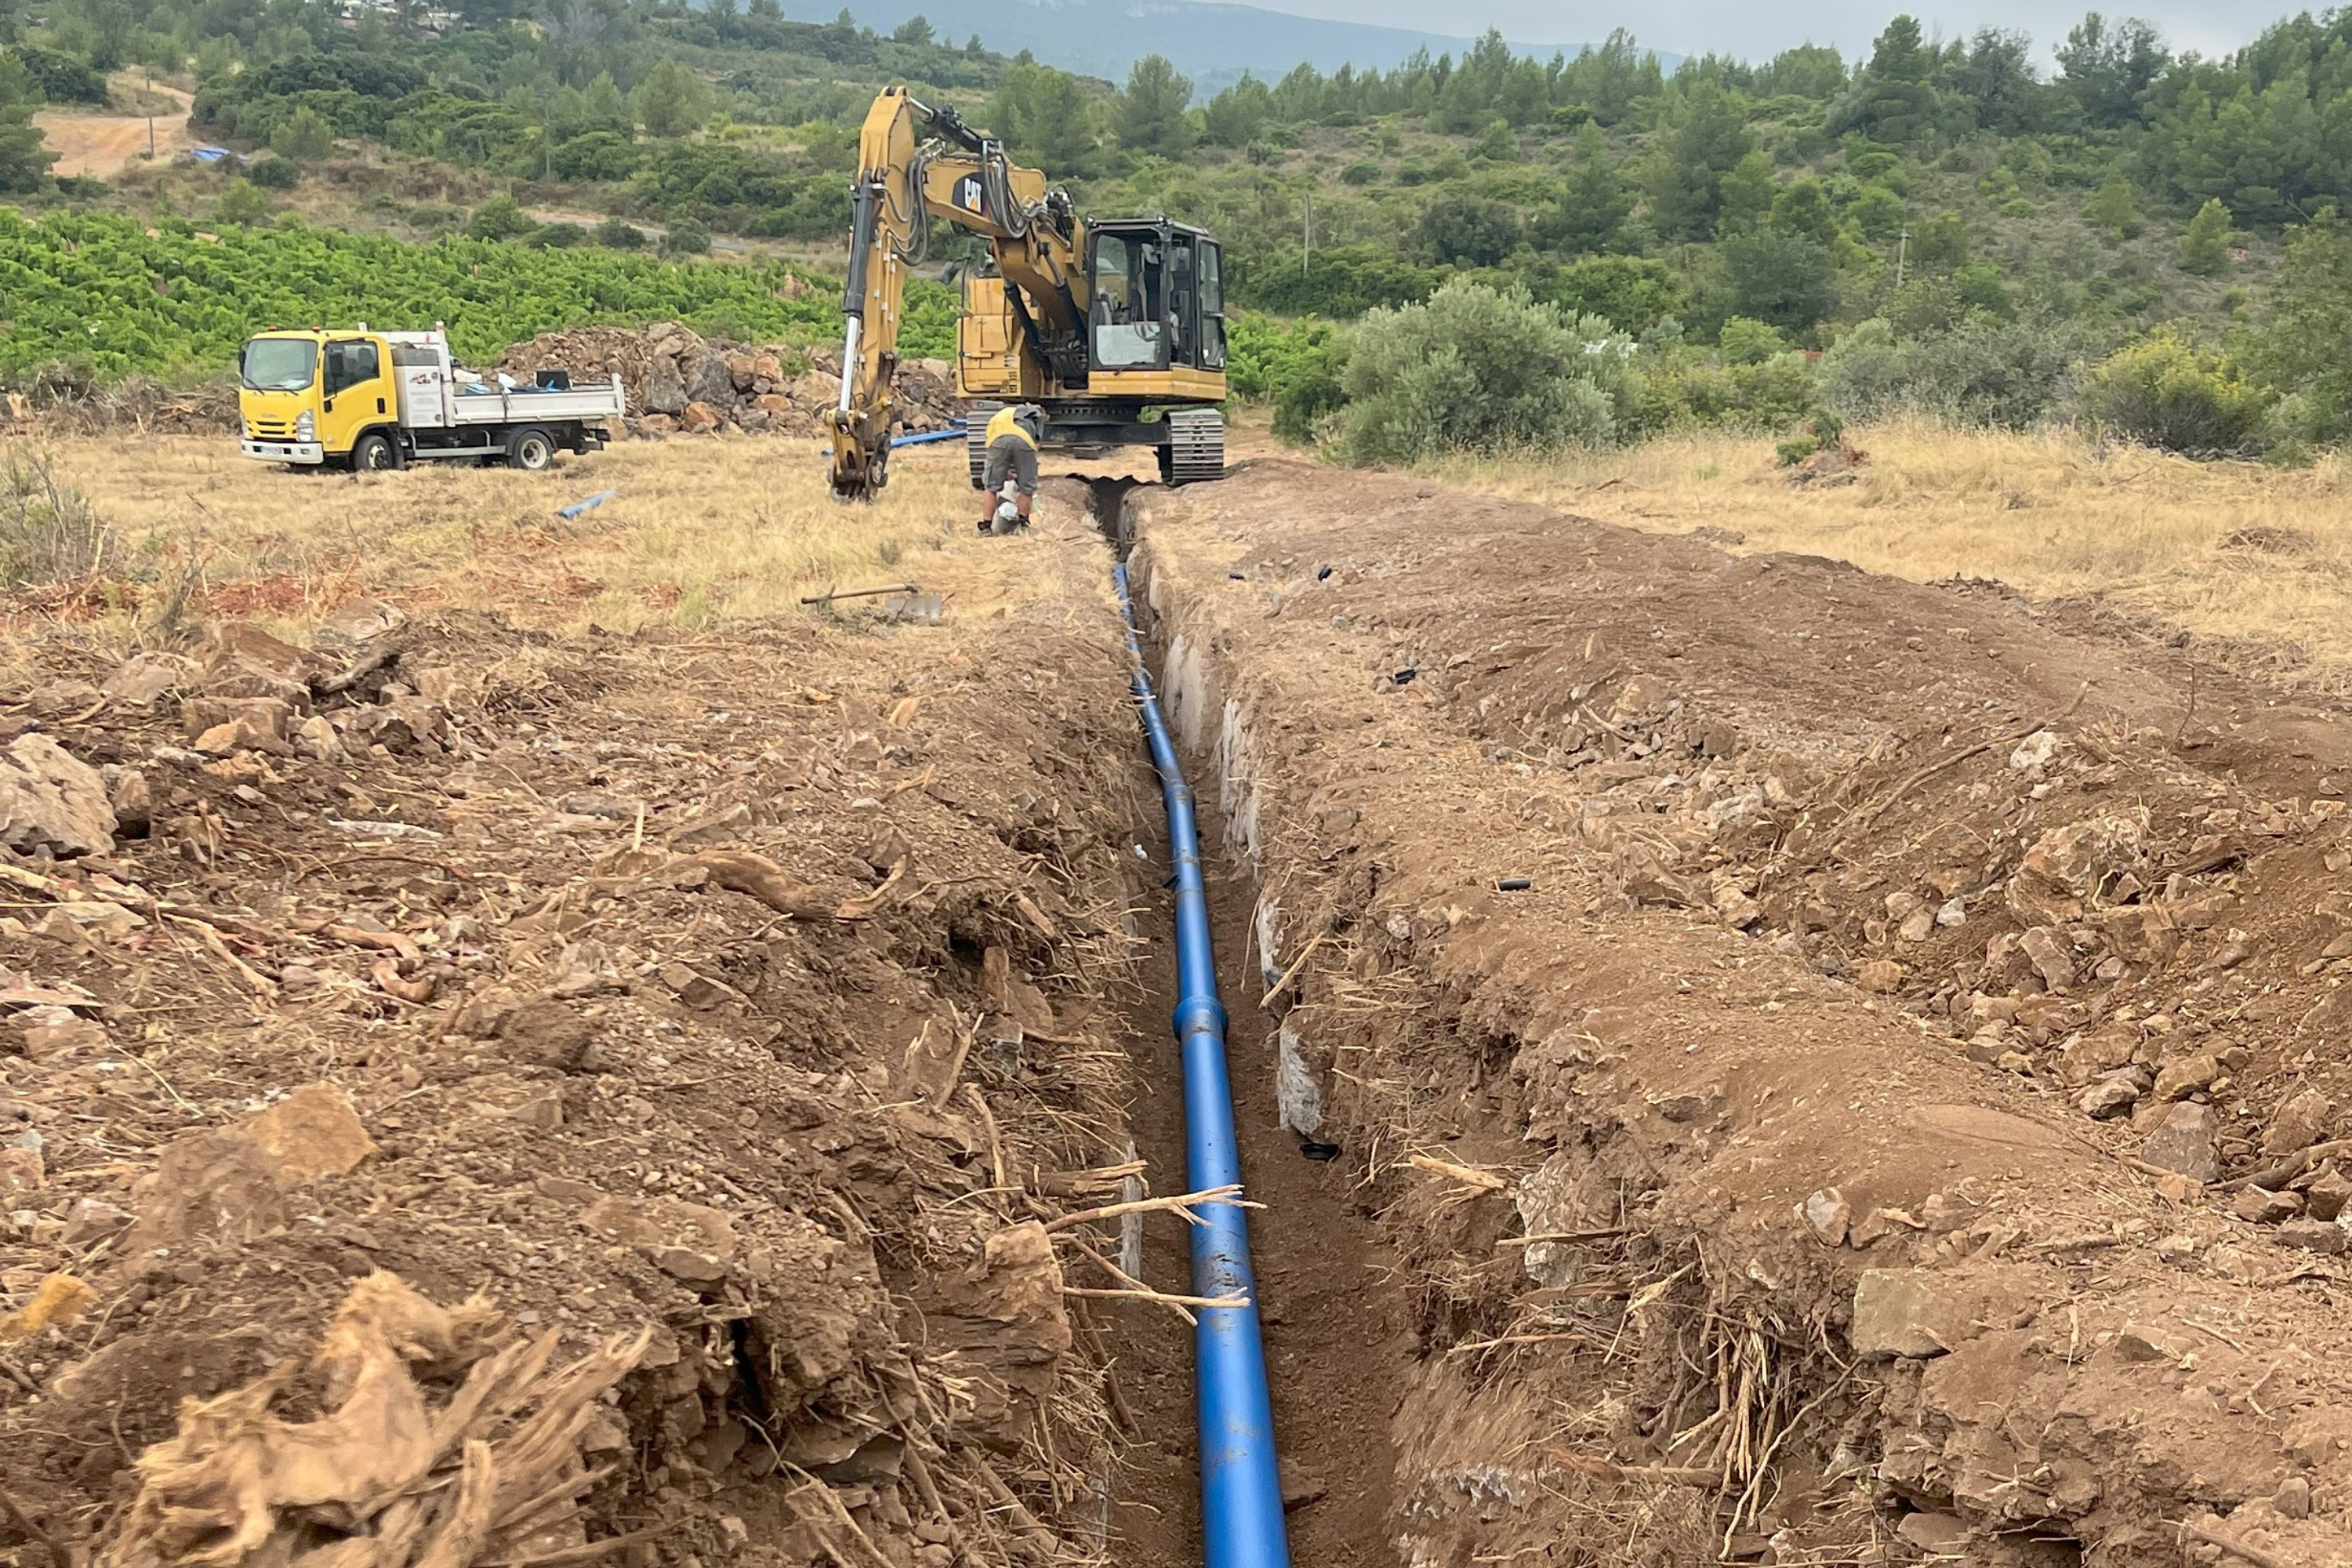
(2229, 550)
(701, 530)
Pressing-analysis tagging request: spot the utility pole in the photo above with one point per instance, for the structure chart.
(1307, 241)
(150, 113)
(1902, 254)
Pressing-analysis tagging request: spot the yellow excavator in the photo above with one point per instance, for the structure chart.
(1103, 326)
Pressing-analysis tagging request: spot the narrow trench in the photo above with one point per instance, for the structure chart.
(1337, 1320)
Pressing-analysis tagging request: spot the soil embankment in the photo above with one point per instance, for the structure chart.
(1743, 1060)
(471, 1096)
(1846, 1070)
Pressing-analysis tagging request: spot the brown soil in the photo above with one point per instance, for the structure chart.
(1843, 1269)
(739, 1004)
(1821, 1070)
(101, 145)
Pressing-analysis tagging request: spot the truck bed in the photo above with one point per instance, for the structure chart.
(529, 405)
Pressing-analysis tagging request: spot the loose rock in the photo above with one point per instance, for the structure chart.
(2183, 1142)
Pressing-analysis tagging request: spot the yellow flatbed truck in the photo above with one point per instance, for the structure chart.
(372, 400)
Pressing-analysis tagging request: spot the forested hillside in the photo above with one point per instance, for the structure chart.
(1993, 210)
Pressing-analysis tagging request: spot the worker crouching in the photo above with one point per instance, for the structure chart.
(1012, 436)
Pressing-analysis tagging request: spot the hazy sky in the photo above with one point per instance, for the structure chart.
(1695, 26)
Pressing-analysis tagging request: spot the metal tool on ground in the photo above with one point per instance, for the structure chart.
(828, 599)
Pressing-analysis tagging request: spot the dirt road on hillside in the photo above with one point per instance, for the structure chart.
(99, 145)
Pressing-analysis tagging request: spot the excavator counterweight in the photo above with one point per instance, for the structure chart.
(1115, 329)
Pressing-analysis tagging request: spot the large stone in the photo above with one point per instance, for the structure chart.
(709, 380)
(224, 724)
(1914, 1313)
(2068, 867)
(2051, 957)
(2184, 1076)
(2141, 933)
(2183, 1142)
(232, 1183)
(51, 800)
(741, 370)
(664, 388)
(2299, 1123)
(700, 418)
(2109, 1097)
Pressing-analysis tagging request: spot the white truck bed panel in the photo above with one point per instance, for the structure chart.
(526, 406)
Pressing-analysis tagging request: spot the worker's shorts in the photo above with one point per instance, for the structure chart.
(1009, 457)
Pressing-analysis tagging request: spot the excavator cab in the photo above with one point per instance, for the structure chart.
(1158, 300)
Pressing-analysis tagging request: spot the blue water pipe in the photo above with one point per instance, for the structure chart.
(591, 504)
(1241, 1490)
(925, 437)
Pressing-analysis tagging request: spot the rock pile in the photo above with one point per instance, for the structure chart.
(676, 380)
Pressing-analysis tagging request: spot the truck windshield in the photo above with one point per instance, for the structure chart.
(280, 365)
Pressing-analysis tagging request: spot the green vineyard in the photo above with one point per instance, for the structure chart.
(117, 295)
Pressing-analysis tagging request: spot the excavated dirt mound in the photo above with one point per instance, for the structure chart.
(471, 1097)
(1851, 1071)
(675, 380)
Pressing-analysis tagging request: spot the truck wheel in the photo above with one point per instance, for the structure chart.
(530, 449)
(374, 453)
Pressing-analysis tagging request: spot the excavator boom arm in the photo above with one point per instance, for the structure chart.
(906, 180)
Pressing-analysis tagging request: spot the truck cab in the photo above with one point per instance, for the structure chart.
(306, 397)
(372, 400)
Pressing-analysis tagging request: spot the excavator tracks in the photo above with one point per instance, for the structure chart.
(976, 417)
(1196, 446)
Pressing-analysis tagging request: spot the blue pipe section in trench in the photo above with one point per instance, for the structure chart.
(1241, 1490)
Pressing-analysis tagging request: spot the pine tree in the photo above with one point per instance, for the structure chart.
(1747, 194)
(25, 160)
(2205, 248)
(1597, 202)
(1705, 137)
(2110, 210)
(1151, 117)
(672, 101)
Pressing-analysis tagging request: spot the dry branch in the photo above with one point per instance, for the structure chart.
(1181, 1204)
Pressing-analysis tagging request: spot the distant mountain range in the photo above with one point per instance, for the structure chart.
(1211, 43)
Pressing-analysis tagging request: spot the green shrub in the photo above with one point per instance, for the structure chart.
(1822, 430)
(685, 236)
(1481, 369)
(1360, 174)
(61, 78)
(1294, 366)
(500, 217)
(1974, 372)
(1680, 389)
(618, 234)
(2165, 392)
(244, 202)
(1746, 342)
(274, 174)
(556, 235)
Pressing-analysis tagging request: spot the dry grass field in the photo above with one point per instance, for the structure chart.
(698, 531)
(2232, 552)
